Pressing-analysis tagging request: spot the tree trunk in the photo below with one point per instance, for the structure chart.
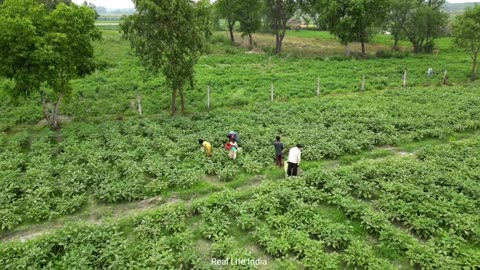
(230, 29)
(182, 100)
(362, 41)
(347, 50)
(51, 112)
(278, 47)
(174, 101)
(395, 44)
(417, 47)
(279, 40)
(473, 76)
(250, 40)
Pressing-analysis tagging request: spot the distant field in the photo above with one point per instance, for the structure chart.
(108, 21)
(238, 77)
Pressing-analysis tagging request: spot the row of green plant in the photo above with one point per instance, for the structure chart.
(47, 174)
(419, 195)
(316, 222)
(426, 196)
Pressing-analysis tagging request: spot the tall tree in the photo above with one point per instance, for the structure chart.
(43, 51)
(52, 4)
(339, 23)
(352, 19)
(397, 16)
(228, 10)
(466, 30)
(249, 15)
(424, 23)
(168, 37)
(314, 10)
(278, 14)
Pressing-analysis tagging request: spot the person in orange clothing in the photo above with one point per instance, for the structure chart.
(206, 146)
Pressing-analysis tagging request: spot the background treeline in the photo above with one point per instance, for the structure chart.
(418, 21)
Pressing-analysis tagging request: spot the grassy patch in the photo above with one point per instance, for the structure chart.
(374, 154)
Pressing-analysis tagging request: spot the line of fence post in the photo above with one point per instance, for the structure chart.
(272, 89)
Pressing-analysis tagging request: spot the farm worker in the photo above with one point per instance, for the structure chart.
(279, 146)
(430, 72)
(294, 156)
(233, 135)
(206, 146)
(232, 147)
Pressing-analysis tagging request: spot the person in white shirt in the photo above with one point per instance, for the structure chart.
(294, 156)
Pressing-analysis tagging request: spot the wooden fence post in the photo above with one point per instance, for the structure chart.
(271, 93)
(318, 86)
(405, 78)
(363, 83)
(208, 97)
(445, 78)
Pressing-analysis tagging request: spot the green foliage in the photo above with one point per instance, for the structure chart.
(228, 10)
(169, 37)
(216, 224)
(467, 34)
(278, 12)
(397, 17)
(352, 20)
(249, 15)
(424, 24)
(43, 51)
(52, 4)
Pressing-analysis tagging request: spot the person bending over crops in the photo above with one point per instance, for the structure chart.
(294, 156)
(279, 146)
(206, 146)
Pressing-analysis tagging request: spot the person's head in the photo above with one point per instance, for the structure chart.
(299, 146)
(278, 138)
(200, 141)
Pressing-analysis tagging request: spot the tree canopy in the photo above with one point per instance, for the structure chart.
(278, 12)
(425, 22)
(250, 15)
(228, 10)
(352, 20)
(168, 37)
(42, 51)
(467, 35)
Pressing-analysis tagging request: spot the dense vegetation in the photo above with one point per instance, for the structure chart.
(389, 214)
(236, 78)
(389, 176)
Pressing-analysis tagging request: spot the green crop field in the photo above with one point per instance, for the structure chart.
(390, 175)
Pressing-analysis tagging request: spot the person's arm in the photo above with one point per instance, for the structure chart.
(299, 157)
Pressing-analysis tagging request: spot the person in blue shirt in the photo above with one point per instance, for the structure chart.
(279, 146)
